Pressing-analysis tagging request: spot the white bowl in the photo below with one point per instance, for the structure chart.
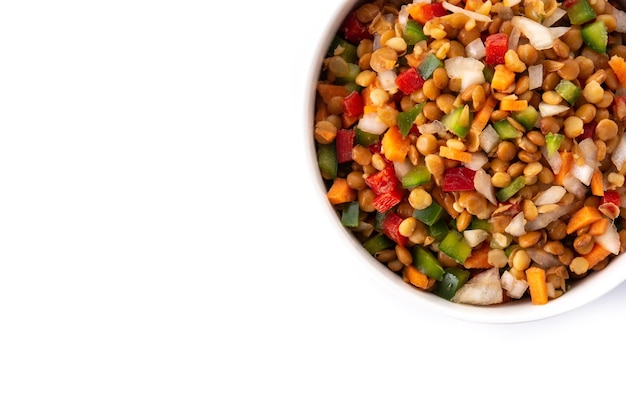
(582, 292)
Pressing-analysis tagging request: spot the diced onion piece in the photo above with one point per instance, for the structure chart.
(548, 110)
(557, 32)
(516, 226)
(475, 49)
(403, 168)
(482, 184)
(458, 66)
(544, 219)
(479, 159)
(514, 38)
(552, 195)
(472, 15)
(618, 157)
(555, 161)
(584, 172)
(475, 236)
(371, 123)
(470, 78)
(554, 17)
(489, 139)
(539, 36)
(574, 186)
(387, 80)
(535, 75)
(483, 289)
(620, 17)
(543, 258)
(609, 240)
(403, 16)
(434, 128)
(515, 288)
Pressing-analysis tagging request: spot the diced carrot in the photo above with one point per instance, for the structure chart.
(412, 275)
(597, 183)
(370, 108)
(513, 105)
(481, 118)
(395, 146)
(478, 259)
(585, 216)
(618, 65)
(365, 95)
(598, 227)
(503, 78)
(455, 154)
(347, 121)
(536, 278)
(596, 255)
(340, 192)
(328, 91)
(566, 165)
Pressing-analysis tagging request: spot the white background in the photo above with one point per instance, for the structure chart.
(162, 251)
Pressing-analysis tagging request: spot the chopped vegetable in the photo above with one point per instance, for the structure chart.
(424, 12)
(458, 179)
(503, 78)
(455, 246)
(510, 190)
(350, 214)
(327, 160)
(390, 227)
(426, 263)
(506, 130)
(430, 215)
(409, 81)
(407, 119)
(553, 142)
(579, 11)
(536, 279)
(413, 33)
(618, 65)
(344, 142)
(340, 192)
(483, 289)
(417, 176)
(585, 216)
(496, 46)
(395, 145)
(412, 275)
(596, 36)
(527, 117)
(453, 279)
(568, 90)
(458, 121)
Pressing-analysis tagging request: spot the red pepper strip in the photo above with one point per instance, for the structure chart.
(344, 142)
(611, 196)
(409, 81)
(589, 129)
(383, 181)
(390, 225)
(424, 12)
(496, 46)
(354, 30)
(458, 179)
(388, 200)
(352, 104)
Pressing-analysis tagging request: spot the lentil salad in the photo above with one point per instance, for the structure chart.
(477, 148)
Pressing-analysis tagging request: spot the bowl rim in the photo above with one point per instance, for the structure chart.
(583, 292)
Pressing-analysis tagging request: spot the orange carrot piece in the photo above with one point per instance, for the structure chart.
(536, 278)
(481, 118)
(455, 154)
(597, 183)
(513, 105)
(328, 91)
(413, 276)
(598, 227)
(395, 146)
(583, 217)
(478, 259)
(618, 65)
(340, 192)
(566, 165)
(502, 78)
(596, 255)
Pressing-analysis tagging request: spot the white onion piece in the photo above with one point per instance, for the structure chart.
(470, 78)
(475, 49)
(620, 17)
(539, 36)
(535, 75)
(489, 139)
(434, 128)
(618, 157)
(475, 236)
(371, 123)
(387, 80)
(574, 186)
(554, 17)
(542, 258)
(472, 15)
(483, 289)
(514, 38)
(402, 168)
(589, 151)
(544, 219)
(483, 185)
(557, 32)
(479, 159)
(555, 161)
(403, 16)
(552, 195)
(609, 240)
(516, 226)
(515, 288)
(548, 110)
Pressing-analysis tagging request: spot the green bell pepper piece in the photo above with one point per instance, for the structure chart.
(327, 160)
(429, 65)
(458, 121)
(527, 118)
(553, 142)
(596, 36)
(427, 263)
(506, 130)
(510, 190)
(568, 90)
(350, 214)
(439, 230)
(580, 12)
(455, 246)
(366, 138)
(482, 224)
(350, 76)
(407, 118)
(417, 176)
(430, 215)
(413, 33)
(453, 279)
(348, 49)
(377, 243)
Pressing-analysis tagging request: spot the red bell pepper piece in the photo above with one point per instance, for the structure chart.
(423, 12)
(458, 179)
(386, 201)
(344, 142)
(383, 181)
(390, 225)
(589, 129)
(354, 30)
(352, 104)
(496, 46)
(619, 107)
(611, 196)
(409, 81)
